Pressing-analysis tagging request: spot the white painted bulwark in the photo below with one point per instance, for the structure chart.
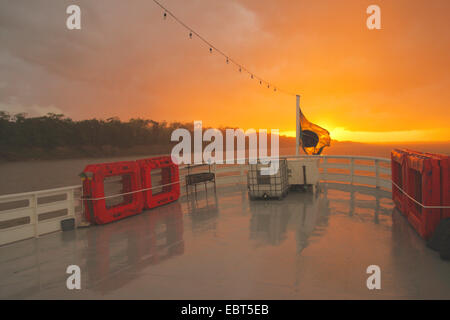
(31, 214)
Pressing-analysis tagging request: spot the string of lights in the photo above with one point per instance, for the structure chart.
(228, 59)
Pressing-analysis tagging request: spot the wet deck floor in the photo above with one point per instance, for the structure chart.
(225, 247)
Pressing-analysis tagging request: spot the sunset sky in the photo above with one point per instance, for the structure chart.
(127, 61)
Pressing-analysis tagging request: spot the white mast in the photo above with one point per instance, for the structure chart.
(297, 125)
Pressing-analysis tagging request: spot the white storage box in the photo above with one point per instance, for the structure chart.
(304, 172)
(267, 186)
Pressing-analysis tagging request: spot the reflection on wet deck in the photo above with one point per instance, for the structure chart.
(223, 246)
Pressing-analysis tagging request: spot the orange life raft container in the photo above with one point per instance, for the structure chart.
(421, 188)
(96, 208)
(169, 180)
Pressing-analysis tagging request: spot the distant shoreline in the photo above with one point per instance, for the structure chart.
(56, 137)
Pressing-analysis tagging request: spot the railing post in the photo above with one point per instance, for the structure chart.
(70, 203)
(352, 169)
(324, 168)
(377, 174)
(35, 216)
(71, 198)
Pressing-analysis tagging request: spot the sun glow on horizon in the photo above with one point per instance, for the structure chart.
(342, 134)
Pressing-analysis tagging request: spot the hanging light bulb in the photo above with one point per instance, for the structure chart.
(228, 60)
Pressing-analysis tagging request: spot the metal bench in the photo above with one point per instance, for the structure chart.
(192, 179)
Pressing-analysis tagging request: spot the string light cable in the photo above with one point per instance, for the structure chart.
(228, 59)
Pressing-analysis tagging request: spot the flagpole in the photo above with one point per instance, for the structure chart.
(297, 125)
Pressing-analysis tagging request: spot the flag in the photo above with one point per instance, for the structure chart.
(312, 137)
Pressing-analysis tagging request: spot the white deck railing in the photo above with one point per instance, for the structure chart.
(358, 170)
(31, 214)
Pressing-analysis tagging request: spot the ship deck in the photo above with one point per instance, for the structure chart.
(223, 246)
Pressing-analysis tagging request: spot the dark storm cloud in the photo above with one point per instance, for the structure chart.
(110, 63)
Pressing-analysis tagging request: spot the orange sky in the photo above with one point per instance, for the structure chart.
(127, 61)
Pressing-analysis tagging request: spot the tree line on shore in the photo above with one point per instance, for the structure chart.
(56, 130)
(57, 136)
